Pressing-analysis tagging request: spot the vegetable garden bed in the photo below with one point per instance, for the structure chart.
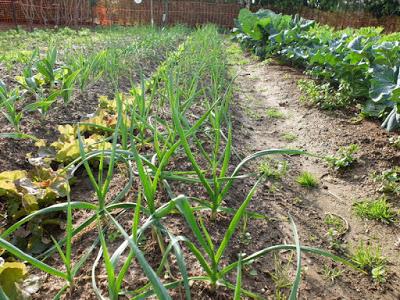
(126, 172)
(363, 63)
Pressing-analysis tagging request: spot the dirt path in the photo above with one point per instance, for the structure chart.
(261, 86)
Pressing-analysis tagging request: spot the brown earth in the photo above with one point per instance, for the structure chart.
(261, 86)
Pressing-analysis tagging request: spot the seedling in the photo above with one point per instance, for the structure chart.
(344, 157)
(335, 241)
(307, 179)
(337, 227)
(246, 238)
(379, 274)
(43, 103)
(336, 222)
(379, 210)
(67, 84)
(395, 141)
(389, 181)
(4, 94)
(331, 273)
(46, 66)
(289, 137)
(273, 168)
(274, 113)
(312, 238)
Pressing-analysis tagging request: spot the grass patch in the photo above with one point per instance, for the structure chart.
(274, 113)
(281, 276)
(371, 260)
(236, 55)
(331, 273)
(379, 210)
(307, 179)
(289, 137)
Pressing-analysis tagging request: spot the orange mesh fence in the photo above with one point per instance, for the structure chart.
(46, 12)
(123, 12)
(190, 12)
(182, 12)
(9, 10)
(194, 13)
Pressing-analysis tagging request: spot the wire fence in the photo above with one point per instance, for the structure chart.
(175, 12)
(162, 12)
(343, 19)
(46, 12)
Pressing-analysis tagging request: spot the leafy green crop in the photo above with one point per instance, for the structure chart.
(389, 181)
(363, 60)
(25, 192)
(344, 157)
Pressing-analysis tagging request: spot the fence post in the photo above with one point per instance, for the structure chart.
(165, 15)
(152, 13)
(14, 15)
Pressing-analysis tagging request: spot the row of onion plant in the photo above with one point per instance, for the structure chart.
(183, 114)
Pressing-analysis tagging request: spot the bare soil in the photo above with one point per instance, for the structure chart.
(261, 86)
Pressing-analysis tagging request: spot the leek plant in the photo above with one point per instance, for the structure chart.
(8, 101)
(68, 83)
(210, 84)
(90, 69)
(214, 90)
(47, 65)
(210, 255)
(43, 103)
(148, 207)
(102, 215)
